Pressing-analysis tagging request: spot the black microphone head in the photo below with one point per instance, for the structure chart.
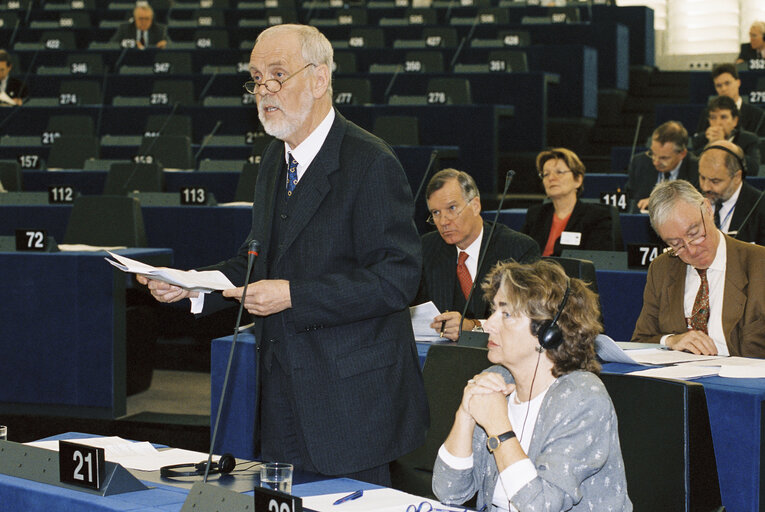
(508, 178)
(254, 247)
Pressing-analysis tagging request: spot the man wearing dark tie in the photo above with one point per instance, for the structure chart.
(142, 32)
(707, 294)
(738, 208)
(340, 259)
(667, 159)
(451, 254)
(15, 90)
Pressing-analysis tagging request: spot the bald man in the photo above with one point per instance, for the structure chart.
(739, 211)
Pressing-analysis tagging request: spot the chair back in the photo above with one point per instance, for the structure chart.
(106, 221)
(126, 177)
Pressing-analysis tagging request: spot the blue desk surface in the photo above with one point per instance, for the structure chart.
(63, 332)
(17, 494)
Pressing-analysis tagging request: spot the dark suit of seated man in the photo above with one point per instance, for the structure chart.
(707, 294)
(14, 88)
(724, 125)
(142, 32)
(721, 178)
(451, 254)
(667, 160)
(727, 83)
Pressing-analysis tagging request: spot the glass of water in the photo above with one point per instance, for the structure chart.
(276, 476)
(3, 433)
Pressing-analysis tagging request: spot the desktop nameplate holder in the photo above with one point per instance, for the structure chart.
(41, 465)
(205, 496)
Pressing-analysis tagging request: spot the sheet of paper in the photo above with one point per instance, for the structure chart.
(89, 248)
(677, 372)
(608, 350)
(422, 316)
(663, 356)
(376, 500)
(133, 455)
(728, 361)
(742, 372)
(205, 281)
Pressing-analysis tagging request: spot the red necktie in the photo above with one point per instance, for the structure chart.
(463, 274)
(700, 313)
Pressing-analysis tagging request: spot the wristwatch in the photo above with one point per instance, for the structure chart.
(493, 442)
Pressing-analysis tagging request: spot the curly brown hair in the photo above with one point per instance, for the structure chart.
(536, 290)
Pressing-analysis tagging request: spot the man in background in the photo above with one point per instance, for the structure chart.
(667, 160)
(451, 254)
(727, 83)
(142, 32)
(12, 90)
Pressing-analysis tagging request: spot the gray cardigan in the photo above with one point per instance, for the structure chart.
(574, 447)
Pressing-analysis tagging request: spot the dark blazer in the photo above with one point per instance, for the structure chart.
(157, 32)
(439, 270)
(750, 118)
(643, 175)
(352, 255)
(747, 141)
(748, 53)
(743, 315)
(15, 88)
(593, 221)
(754, 229)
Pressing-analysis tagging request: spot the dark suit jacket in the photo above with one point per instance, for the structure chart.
(747, 53)
(352, 255)
(643, 175)
(743, 315)
(750, 118)
(157, 32)
(747, 141)
(439, 270)
(754, 229)
(593, 221)
(15, 88)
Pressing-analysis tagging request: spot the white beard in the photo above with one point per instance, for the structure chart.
(285, 127)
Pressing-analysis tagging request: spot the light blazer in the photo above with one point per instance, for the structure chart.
(351, 253)
(593, 221)
(754, 229)
(157, 32)
(575, 449)
(643, 175)
(743, 315)
(439, 271)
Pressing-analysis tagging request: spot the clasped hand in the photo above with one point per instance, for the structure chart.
(165, 292)
(695, 342)
(265, 297)
(485, 401)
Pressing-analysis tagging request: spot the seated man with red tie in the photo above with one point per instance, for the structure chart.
(450, 255)
(706, 295)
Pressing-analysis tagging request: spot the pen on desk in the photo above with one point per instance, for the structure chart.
(352, 496)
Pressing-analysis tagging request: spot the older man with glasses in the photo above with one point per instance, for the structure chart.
(706, 294)
(451, 254)
(667, 159)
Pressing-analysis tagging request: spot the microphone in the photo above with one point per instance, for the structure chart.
(751, 211)
(470, 338)
(208, 138)
(759, 124)
(433, 156)
(635, 138)
(207, 86)
(469, 37)
(148, 149)
(252, 253)
(392, 80)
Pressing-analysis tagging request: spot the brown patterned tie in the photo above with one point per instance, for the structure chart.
(463, 274)
(700, 313)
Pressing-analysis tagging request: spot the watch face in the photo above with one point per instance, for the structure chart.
(492, 443)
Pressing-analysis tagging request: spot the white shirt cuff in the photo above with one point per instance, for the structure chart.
(517, 475)
(663, 339)
(198, 303)
(453, 461)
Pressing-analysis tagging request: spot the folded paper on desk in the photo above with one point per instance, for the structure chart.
(206, 281)
(422, 316)
(642, 353)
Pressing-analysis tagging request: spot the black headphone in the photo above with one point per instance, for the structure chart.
(225, 465)
(548, 332)
(741, 161)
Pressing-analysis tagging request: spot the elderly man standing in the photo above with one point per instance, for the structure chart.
(142, 32)
(451, 254)
(340, 259)
(707, 294)
(738, 207)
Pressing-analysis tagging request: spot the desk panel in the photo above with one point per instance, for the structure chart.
(63, 332)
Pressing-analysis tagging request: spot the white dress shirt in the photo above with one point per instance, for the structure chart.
(726, 210)
(474, 252)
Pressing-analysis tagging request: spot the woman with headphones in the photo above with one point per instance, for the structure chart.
(537, 431)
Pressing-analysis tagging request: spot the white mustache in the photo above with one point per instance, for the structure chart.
(270, 102)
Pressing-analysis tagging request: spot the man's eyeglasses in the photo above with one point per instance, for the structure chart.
(677, 248)
(272, 85)
(557, 173)
(656, 158)
(426, 506)
(450, 214)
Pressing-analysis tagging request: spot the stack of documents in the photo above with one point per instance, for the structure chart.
(672, 364)
(206, 281)
(422, 317)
